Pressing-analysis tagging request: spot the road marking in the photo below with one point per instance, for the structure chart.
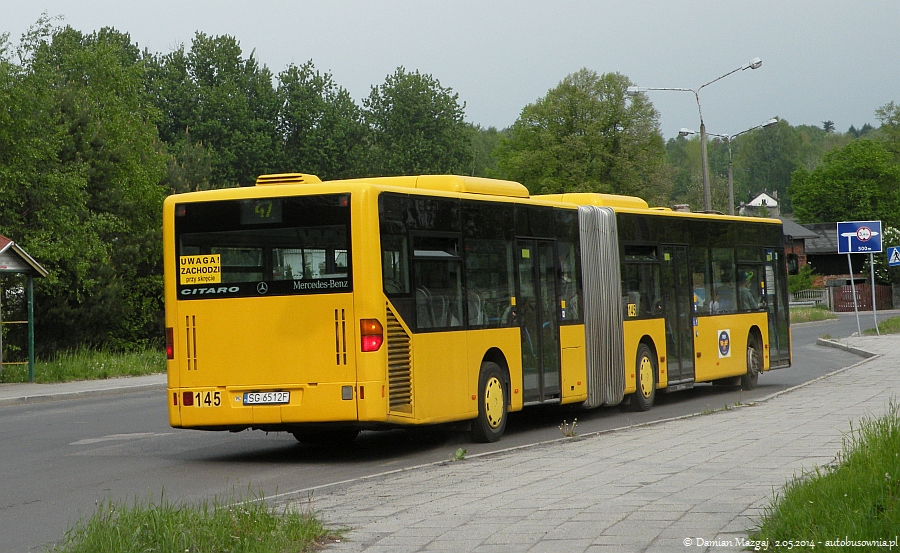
(119, 437)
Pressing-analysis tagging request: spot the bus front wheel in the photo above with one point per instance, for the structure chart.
(492, 404)
(645, 379)
(754, 363)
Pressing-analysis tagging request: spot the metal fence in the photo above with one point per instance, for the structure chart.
(814, 297)
(840, 298)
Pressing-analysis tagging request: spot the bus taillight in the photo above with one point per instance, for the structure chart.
(170, 343)
(372, 334)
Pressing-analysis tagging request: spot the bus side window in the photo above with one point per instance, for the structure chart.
(489, 281)
(438, 280)
(568, 285)
(725, 287)
(704, 299)
(394, 264)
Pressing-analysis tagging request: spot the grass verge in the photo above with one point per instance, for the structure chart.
(856, 499)
(85, 364)
(810, 314)
(250, 527)
(891, 325)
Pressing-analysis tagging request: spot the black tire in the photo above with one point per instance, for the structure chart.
(754, 363)
(645, 379)
(493, 400)
(326, 437)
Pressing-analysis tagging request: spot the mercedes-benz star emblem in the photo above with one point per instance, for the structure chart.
(262, 287)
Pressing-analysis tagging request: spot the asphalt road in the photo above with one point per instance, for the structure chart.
(60, 460)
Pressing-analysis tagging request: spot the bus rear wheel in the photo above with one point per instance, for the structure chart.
(492, 404)
(645, 379)
(754, 363)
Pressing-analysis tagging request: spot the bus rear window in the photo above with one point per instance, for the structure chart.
(258, 247)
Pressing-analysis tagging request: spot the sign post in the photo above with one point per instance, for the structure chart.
(860, 237)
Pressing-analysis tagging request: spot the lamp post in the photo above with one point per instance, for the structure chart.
(755, 63)
(728, 139)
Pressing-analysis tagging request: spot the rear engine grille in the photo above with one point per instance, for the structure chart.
(399, 370)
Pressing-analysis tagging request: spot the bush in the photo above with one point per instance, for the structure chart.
(803, 280)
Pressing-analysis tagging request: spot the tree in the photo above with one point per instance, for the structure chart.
(218, 108)
(828, 126)
(322, 128)
(80, 170)
(416, 127)
(683, 156)
(764, 160)
(484, 144)
(859, 182)
(585, 135)
(889, 115)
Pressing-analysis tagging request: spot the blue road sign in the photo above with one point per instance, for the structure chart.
(859, 237)
(893, 254)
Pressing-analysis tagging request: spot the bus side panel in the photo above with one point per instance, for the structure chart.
(508, 341)
(172, 373)
(574, 363)
(655, 330)
(720, 344)
(441, 385)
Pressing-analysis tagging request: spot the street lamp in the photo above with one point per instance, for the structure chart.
(755, 63)
(728, 139)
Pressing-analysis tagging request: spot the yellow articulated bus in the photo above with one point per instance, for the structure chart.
(326, 308)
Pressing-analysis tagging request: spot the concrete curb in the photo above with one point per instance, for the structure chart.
(79, 394)
(848, 348)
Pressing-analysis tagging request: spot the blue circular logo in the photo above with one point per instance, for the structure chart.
(724, 343)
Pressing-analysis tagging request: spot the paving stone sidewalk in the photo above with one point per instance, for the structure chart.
(657, 487)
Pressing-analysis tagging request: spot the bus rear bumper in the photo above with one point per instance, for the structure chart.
(242, 407)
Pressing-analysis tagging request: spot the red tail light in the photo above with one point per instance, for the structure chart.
(170, 343)
(371, 334)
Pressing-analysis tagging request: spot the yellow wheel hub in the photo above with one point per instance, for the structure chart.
(646, 370)
(493, 402)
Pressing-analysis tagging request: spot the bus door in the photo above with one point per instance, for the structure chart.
(677, 304)
(536, 314)
(776, 303)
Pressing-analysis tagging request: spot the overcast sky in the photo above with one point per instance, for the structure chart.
(822, 59)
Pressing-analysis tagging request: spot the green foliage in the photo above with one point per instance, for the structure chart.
(764, 161)
(857, 498)
(89, 364)
(889, 115)
(80, 168)
(683, 157)
(220, 113)
(322, 128)
(803, 280)
(416, 127)
(459, 455)
(586, 136)
(859, 182)
(811, 314)
(891, 325)
(249, 527)
(484, 144)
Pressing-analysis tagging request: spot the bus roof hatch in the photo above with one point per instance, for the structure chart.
(286, 178)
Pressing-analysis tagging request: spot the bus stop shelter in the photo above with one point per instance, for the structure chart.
(13, 259)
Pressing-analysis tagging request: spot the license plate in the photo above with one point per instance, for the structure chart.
(266, 398)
